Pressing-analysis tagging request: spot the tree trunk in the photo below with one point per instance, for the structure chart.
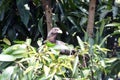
(48, 13)
(90, 24)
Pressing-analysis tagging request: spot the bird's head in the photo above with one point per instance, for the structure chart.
(55, 31)
(52, 34)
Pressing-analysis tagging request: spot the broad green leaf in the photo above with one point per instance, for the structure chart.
(10, 49)
(7, 57)
(24, 14)
(7, 73)
(116, 32)
(6, 41)
(49, 44)
(19, 51)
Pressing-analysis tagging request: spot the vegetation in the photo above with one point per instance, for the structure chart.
(24, 25)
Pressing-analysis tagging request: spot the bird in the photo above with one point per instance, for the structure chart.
(59, 45)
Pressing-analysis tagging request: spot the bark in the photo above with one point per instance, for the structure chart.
(48, 13)
(90, 27)
(90, 24)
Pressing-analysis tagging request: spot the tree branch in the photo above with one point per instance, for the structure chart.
(48, 13)
(90, 24)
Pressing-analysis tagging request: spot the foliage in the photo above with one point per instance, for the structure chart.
(21, 19)
(26, 19)
(22, 61)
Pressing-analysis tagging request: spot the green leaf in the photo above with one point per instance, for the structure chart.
(110, 60)
(24, 13)
(19, 51)
(28, 41)
(46, 58)
(7, 57)
(75, 65)
(71, 20)
(119, 41)
(102, 27)
(104, 39)
(86, 72)
(49, 44)
(12, 34)
(7, 73)
(6, 41)
(40, 26)
(4, 30)
(46, 70)
(81, 44)
(2, 13)
(10, 49)
(30, 68)
(116, 32)
(39, 42)
(113, 24)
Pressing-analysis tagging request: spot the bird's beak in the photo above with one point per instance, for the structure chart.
(60, 31)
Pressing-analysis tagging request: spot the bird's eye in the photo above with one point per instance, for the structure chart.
(56, 29)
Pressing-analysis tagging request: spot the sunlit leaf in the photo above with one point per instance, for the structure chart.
(49, 44)
(46, 70)
(39, 42)
(7, 73)
(119, 75)
(52, 56)
(7, 57)
(75, 65)
(46, 58)
(113, 24)
(102, 63)
(86, 72)
(80, 43)
(28, 41)
(6, 41)
(110, 60)
(30, 68)
(118, 41)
